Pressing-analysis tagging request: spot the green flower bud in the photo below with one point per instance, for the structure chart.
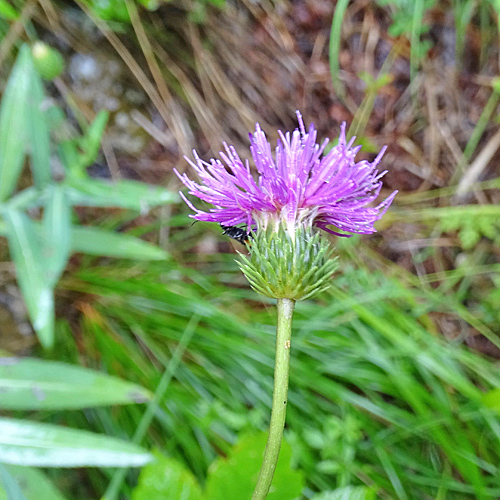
(48, 61)
(285, 266)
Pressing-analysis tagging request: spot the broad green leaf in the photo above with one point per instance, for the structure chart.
(38, 130)
(166, 479)
(56, 235)
(13, 122)
(24, 246)
(34, 484)
(124, 194)
(347, 493)
(33, 384)
(45, 445)
(12, 490)
(236, 476)
(96, 241)
(7, 11)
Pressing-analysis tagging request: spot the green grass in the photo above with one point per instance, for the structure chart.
(374, 397)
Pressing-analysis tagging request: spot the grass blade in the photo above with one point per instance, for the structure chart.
(56, 234)
(33, 384)
(38, 129)
(95, 241)
(12, 489)
(13, 120)
(123, 194)
(34, 484)
(24, 246)
(45, 445)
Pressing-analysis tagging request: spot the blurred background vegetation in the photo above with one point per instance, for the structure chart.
(395, 381)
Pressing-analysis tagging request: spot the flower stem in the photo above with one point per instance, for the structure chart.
(280, 392)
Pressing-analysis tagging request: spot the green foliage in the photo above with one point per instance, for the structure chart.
(231, 477)
(95, 241)
(166, 479)
(33, 483)
(236, 475)
(78, 153)
(336, 443)
(472, 229)
(363, 113)
(198, 12)
(403, 12)
(408, 19)
(463, 12)
(15, 121)
(7, 11)
(490, 303)
(124, 194)
(334, 45)
(372, 393)
(40, 250)
(471, 221)
(117, 11)
(492, 399)
(45, 445)
(55, 234)
(11, 488)
(347, 493)
(32, 384)
(24, 246)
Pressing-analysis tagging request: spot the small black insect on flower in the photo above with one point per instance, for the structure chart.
(237, 233)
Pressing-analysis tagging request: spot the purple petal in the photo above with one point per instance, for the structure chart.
(334, 187)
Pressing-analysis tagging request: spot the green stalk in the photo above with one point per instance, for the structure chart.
(334, 47)
(280, 393)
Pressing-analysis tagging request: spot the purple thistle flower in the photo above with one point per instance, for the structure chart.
(299, 185)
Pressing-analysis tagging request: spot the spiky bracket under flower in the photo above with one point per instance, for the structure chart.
(281, 267)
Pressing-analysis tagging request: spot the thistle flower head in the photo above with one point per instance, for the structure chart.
(298, 186)
(299, 189)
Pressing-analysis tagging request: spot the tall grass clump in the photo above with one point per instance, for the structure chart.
(374, 399)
